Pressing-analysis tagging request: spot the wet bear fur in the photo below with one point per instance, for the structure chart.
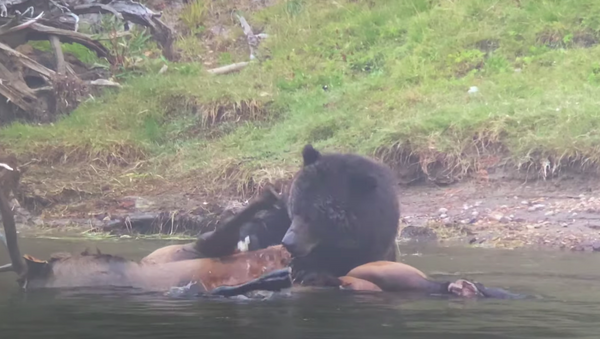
(344, 212)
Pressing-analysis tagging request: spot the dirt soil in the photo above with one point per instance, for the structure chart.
(560, 214)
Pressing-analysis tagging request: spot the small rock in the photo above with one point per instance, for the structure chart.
(447, 221)
(564, 224)
(496, 216)
(418, 233)
(466, 207)
(125, 236)
(504, 220)
(524, 202)
(473, 90)
(442, 210)
(577, 248)
(443, 216)
(472, 240)
(536, 207)
(138, 202)
(549, 213)
(478, 203)
(474, 213)
(503, 207)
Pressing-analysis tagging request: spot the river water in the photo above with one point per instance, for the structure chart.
(566, 283)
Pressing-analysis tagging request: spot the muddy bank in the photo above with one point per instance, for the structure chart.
(562, 214)
(175, 214)
(559, 214)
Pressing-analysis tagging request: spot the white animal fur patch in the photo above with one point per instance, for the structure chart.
(243, 244)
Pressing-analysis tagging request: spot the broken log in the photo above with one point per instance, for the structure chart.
(13, 87)
(42, 32)
(58, 54)
(155, 222)
(27, 61)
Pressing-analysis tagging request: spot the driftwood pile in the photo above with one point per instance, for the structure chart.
(33, 91)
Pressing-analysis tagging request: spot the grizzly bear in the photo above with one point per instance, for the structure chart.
(344, 212)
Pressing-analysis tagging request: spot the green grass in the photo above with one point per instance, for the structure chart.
(80, 52)
(397, 74)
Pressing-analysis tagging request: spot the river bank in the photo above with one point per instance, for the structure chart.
(563, 213)
(444, 92)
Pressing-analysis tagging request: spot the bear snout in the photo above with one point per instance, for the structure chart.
(290, 242)
(299, 242)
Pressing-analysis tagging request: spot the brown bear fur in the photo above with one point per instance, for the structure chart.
(344, 212)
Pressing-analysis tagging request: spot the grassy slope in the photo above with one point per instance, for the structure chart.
(398, 74)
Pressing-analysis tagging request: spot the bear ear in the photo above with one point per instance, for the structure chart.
(310, 155)
(362, 183)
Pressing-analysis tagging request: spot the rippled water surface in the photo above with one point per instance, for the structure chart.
(567, 283)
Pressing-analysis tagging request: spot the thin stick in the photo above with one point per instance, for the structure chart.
(6, 268)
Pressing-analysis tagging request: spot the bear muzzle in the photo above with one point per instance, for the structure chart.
(298, 240)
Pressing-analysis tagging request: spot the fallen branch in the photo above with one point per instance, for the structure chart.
(103, 82)
(96, 8)
(250, 37)
(138, 14)
(253, 41)
(97, 82)
(229, 68)
(42, 32)
(58, 54)
(17, 97)
(13, 88)
(27, 61)
(14, 24)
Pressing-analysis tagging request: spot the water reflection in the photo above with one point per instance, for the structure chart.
(569, 309)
